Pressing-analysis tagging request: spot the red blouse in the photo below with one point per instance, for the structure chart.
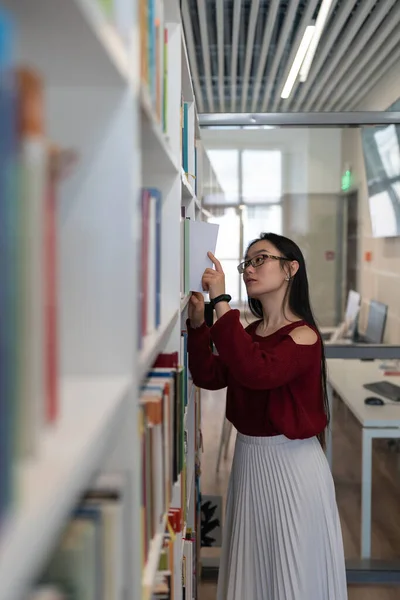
(274, 384)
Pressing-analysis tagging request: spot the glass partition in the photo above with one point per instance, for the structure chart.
(285, 181)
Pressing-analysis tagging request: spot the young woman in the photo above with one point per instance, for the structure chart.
(282, 536)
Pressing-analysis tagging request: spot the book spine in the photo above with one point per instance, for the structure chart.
(8, 258)
(33, 188)
(50, 256)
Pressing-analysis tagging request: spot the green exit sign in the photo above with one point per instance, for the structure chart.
(346, 180)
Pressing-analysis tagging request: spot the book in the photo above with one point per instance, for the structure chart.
(8, 245)
(150, 261)
(200, 238)
(88, 560)
(30, 172)
(154, 57)
(32, 190)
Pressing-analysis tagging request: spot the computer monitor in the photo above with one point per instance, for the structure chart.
(376, 322)
(348, 327)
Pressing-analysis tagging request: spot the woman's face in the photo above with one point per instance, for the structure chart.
(266, 273)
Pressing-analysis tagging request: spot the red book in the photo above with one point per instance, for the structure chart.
(167, 361)
(58, 163)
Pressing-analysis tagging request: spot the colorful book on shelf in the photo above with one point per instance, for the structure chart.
(195, 167)
(88, 561)
(177, 373)
(150, 262)
(163, 586)
(157, 200)
(151, 15)
(30, 172)
(153, 469)
(143, 9)
(8, 228)
(184, 361)
(162, 431)
(165, 83)
(185, 137)
(159, 58)
(178, 559)
(51, 273)
(153, 58)
(59, 163)
(183, 280)
(31, 200)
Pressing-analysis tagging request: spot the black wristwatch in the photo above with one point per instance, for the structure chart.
(221, 298)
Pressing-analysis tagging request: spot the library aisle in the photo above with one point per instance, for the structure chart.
(348, 489)
(102, 171)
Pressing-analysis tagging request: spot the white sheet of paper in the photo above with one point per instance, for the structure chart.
(202, 239)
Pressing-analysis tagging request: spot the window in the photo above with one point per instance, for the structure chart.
(226, 166)
(254, 177)
(231, 278)
(228, 245)
(257, 220)
(262, 176)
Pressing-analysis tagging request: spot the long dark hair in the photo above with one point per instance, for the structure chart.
(298, 299)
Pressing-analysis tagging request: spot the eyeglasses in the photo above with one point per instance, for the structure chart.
(257, 261)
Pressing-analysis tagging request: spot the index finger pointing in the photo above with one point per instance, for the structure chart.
(216, 262)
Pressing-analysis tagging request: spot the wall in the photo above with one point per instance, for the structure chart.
(311, 205)
(380, 278)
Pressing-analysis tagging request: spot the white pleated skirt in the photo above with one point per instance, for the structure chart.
(282, 538)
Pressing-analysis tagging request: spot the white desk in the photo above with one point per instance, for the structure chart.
(347, 377)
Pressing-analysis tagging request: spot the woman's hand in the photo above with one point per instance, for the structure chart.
(196, 309)
(213, 280)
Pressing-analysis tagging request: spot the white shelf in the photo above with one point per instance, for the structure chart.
(206, 213)
(108, 36)
(156, 147)
(150, 570)
(49, 486)
(185, 302)
(97, 106)
(153, 344)
(94, 54)
(187, 189)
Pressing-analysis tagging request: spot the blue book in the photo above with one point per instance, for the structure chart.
(195, 169)
(185, 141)
(8, 237)
(155, 193)
(152, 48)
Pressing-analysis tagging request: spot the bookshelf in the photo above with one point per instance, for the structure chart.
(101, 142)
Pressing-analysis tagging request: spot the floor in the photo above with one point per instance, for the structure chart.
(347, 475)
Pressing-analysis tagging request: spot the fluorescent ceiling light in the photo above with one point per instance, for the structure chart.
(319, 26)
(298, 60)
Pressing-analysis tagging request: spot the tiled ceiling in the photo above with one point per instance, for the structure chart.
(241, 51)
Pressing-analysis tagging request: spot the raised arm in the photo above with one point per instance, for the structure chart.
(256, 368)
(207, 369)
